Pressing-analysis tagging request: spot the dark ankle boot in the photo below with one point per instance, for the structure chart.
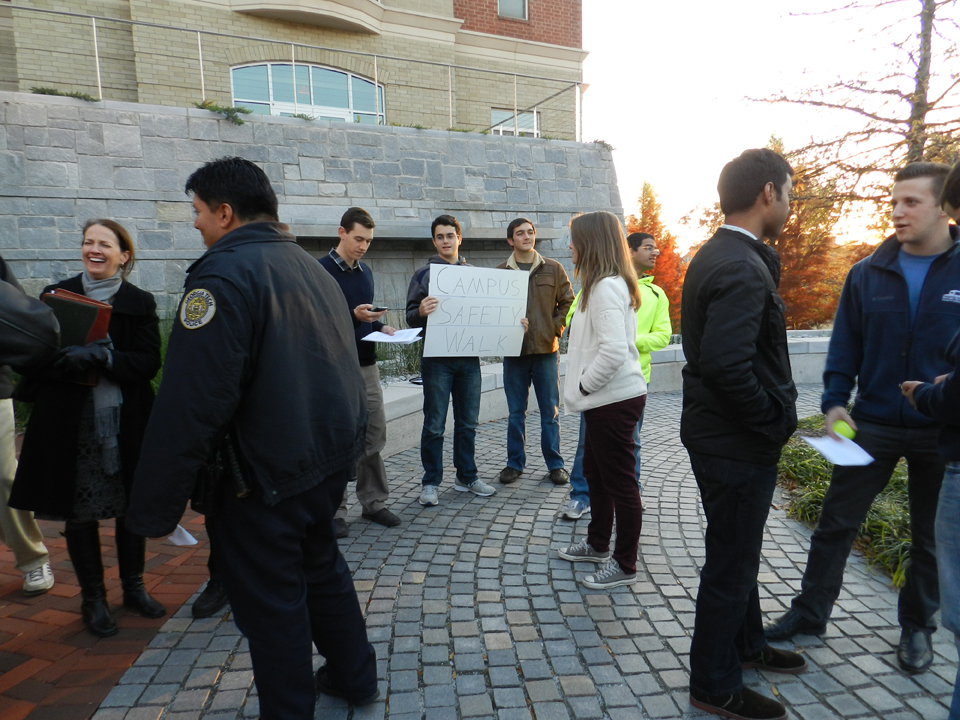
(83, 544)
(130, 555)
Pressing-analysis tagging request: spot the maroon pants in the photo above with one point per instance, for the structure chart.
(609, 466)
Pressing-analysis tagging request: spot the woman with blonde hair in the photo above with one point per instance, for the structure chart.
(604, 381)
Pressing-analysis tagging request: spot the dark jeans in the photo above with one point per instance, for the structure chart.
(443, 377)
(578, 483)
(290, 589)
(728, 626)
(608, 466)
(851, 492)
(543, 371)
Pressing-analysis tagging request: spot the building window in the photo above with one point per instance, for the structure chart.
(528, 123)
(327, 94)
(516, 9)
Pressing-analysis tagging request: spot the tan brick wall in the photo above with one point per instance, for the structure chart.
(162, 66)
(443, 8)
(56, 51)
(8, 51)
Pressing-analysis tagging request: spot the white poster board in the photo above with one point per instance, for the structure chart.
(478, 314)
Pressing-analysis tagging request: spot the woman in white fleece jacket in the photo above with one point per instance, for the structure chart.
(604, 381)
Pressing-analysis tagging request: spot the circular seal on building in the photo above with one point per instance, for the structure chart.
(197, 309)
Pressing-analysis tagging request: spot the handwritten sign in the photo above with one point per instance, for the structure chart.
(478, 314)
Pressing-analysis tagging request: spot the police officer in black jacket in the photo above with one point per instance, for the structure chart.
(261, 349)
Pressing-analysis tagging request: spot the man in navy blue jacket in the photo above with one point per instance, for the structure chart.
(941, 401)
(893, 323)
(356, 280)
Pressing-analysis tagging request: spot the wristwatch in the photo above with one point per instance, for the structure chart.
(582, 391)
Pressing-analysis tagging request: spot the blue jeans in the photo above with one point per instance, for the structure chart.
(728, 627)
(543, 371)
(443, 377)
(848, 499)
(578, 483)
(948, 563)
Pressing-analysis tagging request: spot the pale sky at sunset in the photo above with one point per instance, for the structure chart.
(668, 83)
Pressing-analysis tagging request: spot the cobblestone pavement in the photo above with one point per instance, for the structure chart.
(473, 615)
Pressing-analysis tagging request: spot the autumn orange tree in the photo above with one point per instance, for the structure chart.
(671, 267)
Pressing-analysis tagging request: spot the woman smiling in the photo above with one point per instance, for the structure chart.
(83, 443)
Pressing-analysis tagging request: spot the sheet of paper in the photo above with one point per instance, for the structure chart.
(839, 452)
(479, 312)
(182, 537)
(400, 337)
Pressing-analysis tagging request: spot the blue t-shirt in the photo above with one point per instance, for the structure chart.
(915, 269)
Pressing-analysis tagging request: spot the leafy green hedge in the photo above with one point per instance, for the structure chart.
(885, 534)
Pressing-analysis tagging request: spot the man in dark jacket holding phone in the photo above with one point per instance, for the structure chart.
(739, 408)
(895, 318)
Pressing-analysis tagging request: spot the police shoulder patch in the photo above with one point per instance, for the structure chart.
(197, 309)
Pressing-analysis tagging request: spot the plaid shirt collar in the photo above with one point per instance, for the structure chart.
(343, 264)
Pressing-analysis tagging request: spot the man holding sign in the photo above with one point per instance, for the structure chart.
(549, 297)
(455, 375)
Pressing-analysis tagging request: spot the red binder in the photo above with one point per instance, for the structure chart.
(82, 320)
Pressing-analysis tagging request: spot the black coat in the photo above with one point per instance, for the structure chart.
(46, 474)
(739, 400)
(262, 347)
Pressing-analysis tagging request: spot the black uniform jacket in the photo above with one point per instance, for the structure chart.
(261, 347)
(47, 471)
(739, 400)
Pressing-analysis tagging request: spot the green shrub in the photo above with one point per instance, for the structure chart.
(885, 534)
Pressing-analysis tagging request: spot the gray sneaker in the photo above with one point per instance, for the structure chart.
(477, 487)
(609, 576)
(429, 496)
(582, 552)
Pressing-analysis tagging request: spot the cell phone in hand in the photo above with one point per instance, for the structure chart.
(380, 309)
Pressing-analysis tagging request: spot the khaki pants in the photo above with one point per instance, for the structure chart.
(18, 529)
(372, 487)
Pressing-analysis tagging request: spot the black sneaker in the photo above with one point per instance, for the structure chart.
(211, 600)
(745, 704)
(326, 686)
(559, 476)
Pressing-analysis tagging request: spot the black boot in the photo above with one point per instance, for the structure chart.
(83, 544)
(130, 555)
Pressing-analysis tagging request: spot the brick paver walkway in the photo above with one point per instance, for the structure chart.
(474, 616)
(52, 668)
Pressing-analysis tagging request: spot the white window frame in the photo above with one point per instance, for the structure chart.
(278, 107)
(526, 11)
(506, 127)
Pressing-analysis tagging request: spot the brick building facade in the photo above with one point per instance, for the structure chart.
(558, 22)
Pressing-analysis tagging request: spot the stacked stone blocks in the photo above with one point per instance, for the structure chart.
(63, 161)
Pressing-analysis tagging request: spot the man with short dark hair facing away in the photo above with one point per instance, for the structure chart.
(739, 409)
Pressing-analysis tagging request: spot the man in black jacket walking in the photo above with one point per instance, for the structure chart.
(739, 408)
(262, 349)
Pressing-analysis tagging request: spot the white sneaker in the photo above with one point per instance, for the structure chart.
(477, 487)
(429, 496)
(575, 510)
(38, 580)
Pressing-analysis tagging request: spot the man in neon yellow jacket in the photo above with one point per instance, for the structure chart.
(653, 333)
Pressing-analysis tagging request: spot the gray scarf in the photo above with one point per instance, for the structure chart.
(107, 397)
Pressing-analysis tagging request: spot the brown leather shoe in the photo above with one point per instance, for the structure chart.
(509, 475)
(745, 704)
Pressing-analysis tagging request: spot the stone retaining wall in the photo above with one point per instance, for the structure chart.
(63, 161)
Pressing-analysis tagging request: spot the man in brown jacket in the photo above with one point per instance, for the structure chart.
(549, 296)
